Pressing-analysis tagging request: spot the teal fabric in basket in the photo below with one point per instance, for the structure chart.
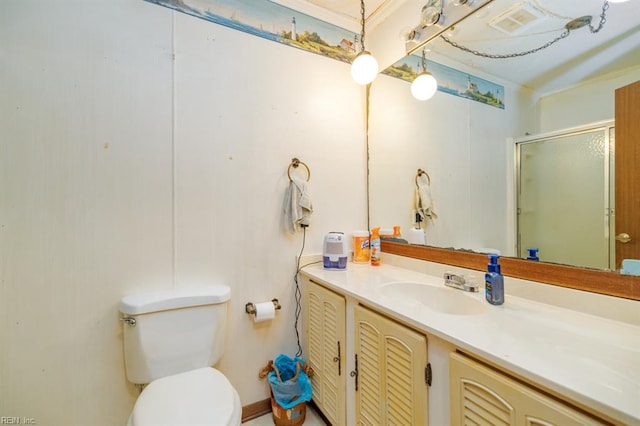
(289, 393)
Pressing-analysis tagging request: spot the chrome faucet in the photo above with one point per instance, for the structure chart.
(459, 282)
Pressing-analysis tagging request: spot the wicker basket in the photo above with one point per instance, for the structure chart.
(288, 417)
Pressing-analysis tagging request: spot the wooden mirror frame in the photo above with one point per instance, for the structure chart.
(592, 280)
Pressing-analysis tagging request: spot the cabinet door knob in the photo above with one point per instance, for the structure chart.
(623, 237)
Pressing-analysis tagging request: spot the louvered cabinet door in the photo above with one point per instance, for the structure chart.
(325, 327)
(480, 395)
(391, 362)
(477, 396)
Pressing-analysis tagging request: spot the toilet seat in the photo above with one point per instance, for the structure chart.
(198, 397)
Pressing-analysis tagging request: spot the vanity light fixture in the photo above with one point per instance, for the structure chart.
(425, 84)
(364, 67)
(436, 16)
(432, 13)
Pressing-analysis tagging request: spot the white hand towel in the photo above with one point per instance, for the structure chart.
(424, 202)
(297, 207)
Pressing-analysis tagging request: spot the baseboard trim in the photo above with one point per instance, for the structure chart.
(257, 409)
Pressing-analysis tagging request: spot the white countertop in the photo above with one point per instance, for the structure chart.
(591, 360)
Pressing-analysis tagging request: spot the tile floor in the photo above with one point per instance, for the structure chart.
(311, 419)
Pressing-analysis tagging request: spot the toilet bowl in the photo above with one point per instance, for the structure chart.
(199, 397)
(171, 340)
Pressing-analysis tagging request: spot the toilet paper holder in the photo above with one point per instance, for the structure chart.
(250, 307)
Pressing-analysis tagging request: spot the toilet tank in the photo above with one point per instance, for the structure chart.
(172, 332)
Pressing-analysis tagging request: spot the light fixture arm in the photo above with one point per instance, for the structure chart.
(451, 11)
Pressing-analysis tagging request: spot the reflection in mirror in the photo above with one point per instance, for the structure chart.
(499, 40)
(564, 202)
(468, 147)
(462, 145)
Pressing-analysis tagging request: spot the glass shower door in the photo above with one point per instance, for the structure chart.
(563, 198)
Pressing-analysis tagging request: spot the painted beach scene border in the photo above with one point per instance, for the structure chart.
(272, 21)
(450, 80)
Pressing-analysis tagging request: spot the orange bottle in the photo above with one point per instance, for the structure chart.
(375, 246)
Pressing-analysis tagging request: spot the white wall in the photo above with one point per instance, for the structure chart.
(122, 171)
(462, 145)
(588, 102)
(244, 108)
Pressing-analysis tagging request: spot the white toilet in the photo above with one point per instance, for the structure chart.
(171, 340)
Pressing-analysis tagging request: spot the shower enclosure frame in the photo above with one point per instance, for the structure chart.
(608, 129)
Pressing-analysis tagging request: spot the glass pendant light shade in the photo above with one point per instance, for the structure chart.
(364, 68)
(424, 86)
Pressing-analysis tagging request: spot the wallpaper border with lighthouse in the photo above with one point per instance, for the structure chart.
(272, 21)
(450, 80)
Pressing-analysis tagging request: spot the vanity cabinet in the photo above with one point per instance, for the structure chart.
(391, 366)
(484, 396)
(387, 362)
(372, 355)
(325, 345)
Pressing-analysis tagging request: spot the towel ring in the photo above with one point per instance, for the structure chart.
(295, 163)
(420, 173)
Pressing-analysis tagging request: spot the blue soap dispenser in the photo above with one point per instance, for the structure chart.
(494, 282)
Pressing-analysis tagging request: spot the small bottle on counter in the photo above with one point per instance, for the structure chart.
(494, 282)
(361, 250)
(375, 246)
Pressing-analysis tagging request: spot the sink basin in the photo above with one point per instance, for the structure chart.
(442, 299)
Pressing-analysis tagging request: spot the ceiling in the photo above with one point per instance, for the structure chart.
(351, 8)
(582, 55)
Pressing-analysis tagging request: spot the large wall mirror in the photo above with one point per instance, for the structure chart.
(468, 149)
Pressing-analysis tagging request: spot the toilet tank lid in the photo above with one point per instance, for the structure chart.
(174, 299)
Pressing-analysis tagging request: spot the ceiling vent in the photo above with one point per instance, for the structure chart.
(516, 19)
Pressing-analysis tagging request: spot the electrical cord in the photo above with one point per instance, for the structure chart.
(298, 293)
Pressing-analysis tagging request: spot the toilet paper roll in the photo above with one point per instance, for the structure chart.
(265, 311)
(416, 236)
